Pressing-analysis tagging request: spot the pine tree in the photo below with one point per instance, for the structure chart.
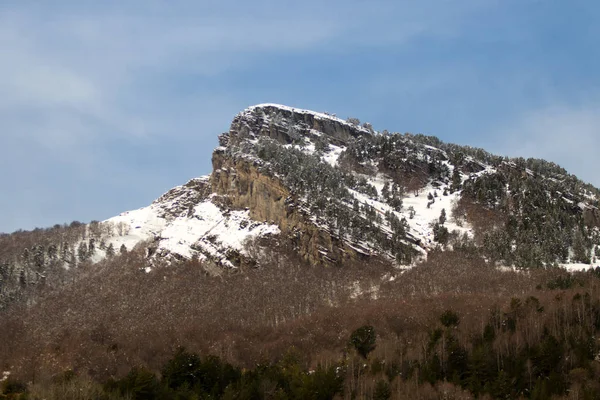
(382, 391)
(363, 339)
(91, 247)
(385, 192)
(411, 212)
(581, 252)
(110, 251)
(456, 180)
(82, 252)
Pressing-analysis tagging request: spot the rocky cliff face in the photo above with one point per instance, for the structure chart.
(286, 125)
(334, 192)
(240, 186)
(243, 186)
(337, 191)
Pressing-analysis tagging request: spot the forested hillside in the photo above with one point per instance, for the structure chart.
(320, 259)
(453, 327)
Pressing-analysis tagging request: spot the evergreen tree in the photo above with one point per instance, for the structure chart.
(385, 192)
(456, 180)
(363, 339)
(82, 252)
(91, 247)
(110, 250)
(581, 252)
(382, 391)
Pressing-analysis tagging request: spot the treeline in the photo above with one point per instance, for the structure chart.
(530, 347)
(327, 191)
(30, 259)
(453, 325)
(188, 376)
(546, 170)
(540, 223)
(540, 210)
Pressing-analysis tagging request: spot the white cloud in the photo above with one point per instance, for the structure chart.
(78, 77)
(567, 135)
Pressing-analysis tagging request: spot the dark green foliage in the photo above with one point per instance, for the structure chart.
(563, 282)
(449, 319)
(181, 370)
(398, 156)
(440, 233)
(12, 387)
(82, 252)
(542, 222)
(188, 376)
(325, 189)
(382, 391)
(363, 340)
(188, 371)
(139, 384)
(110, 251)
(442, 219)
(322, 384)
(456, 180)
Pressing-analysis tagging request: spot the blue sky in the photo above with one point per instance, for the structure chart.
(106, 105)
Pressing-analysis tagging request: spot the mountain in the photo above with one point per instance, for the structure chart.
(335, 191)
(320, 258)
(339, 190)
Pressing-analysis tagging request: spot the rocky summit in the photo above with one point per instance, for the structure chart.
(320, 258)
(333, 191)
(339, 190)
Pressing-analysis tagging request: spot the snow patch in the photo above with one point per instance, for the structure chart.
(316, 114)
(207, 231)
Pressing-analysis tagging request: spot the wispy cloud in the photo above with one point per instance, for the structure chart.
(103, 99)
(568, 135)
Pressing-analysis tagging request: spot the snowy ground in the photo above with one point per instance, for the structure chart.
(424, 216)
(207, 232)
(579, 266)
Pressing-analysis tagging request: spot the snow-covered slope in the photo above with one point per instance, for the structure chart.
(190, 221)
(334, 193)
(204, 229)
(198, 219)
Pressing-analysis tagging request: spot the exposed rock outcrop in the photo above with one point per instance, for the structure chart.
(243, 186)
(286, 124)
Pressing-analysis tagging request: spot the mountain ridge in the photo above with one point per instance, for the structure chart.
(336, 191)
(238, 168)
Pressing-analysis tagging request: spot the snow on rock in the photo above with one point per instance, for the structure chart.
(207, 232)
(571, 267)
(133, 227)
(317, 115)
(212, 232)
(331, 157)
(187, 221)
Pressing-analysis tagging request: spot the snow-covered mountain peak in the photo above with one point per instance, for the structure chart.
(290, 112)
(188, 222)
(288, 125)
(288, 181)
(336, 190)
